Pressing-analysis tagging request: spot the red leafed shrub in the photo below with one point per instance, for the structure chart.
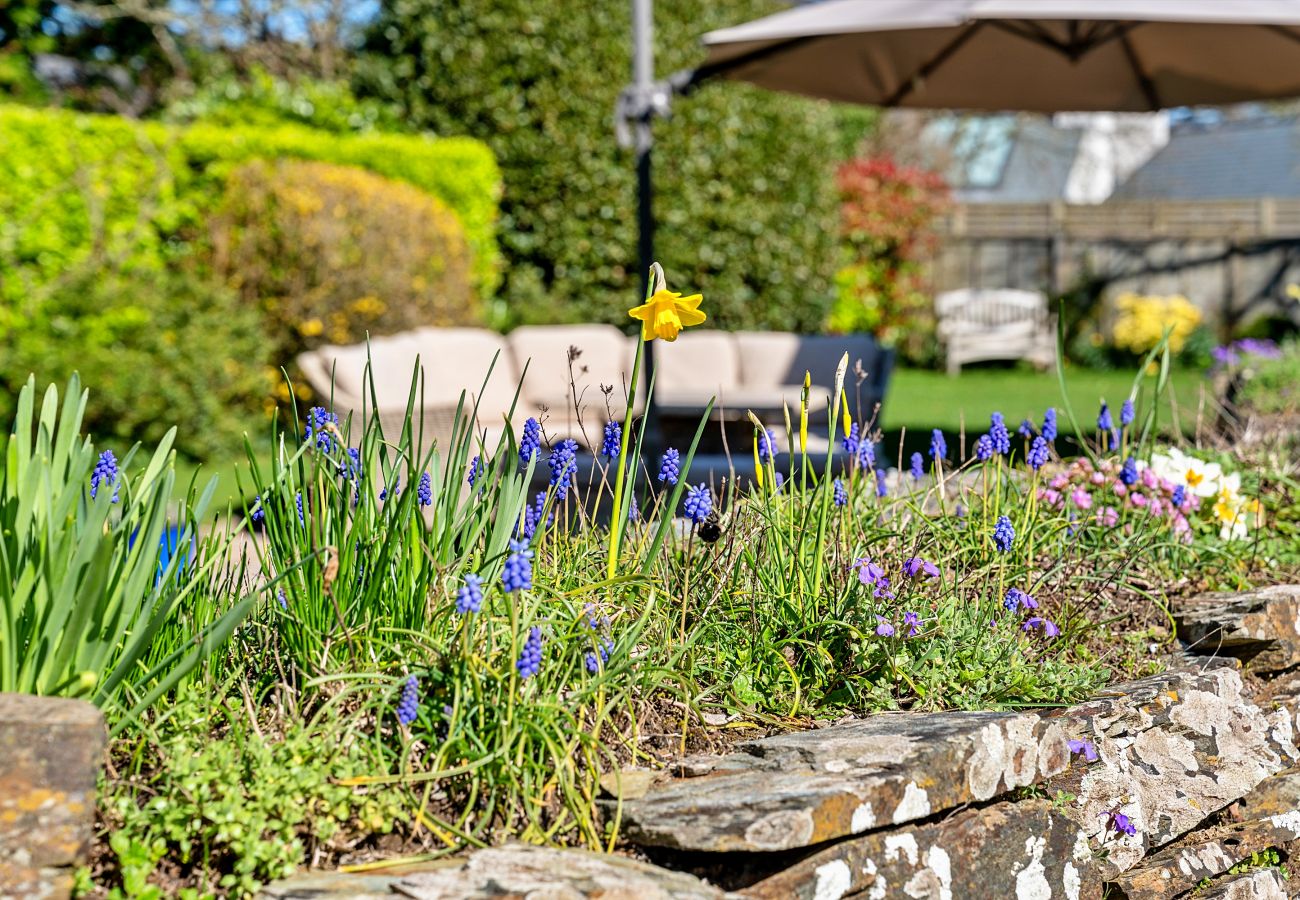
(886, 214)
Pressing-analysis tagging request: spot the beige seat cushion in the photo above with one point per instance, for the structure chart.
(772, 359)
(603, 359)
(697, 361)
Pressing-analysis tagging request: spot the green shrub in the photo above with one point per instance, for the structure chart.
(330, 253)
(745, 203)
(132, 195)
(1271, 386)
(160, 347)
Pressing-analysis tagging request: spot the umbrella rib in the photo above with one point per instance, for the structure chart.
(1143, 80)
(934, 62)
(1284, 31)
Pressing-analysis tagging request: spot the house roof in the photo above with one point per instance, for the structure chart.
(1005, 158)
(1235, 159)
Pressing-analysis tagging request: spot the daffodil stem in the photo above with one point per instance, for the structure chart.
(616, 516)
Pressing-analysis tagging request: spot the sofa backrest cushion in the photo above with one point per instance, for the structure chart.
(697, 361)
(769, 359)
(605, 358)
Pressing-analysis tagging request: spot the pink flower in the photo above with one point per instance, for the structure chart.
(1098, 478)
(1058, 482)
(1109, 517)
(1137, 499)
(1082, 499)
(1156, 508)
(1050, 497)
(1120, 488)
(1149, 478)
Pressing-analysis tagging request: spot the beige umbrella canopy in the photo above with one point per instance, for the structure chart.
(1037, 55)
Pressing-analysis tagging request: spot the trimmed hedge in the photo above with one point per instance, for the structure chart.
(136, 194)
(746, 204)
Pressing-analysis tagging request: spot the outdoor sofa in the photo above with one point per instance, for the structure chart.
(567, 365)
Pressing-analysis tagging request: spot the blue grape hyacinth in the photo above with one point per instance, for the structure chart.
(408, 705)
(1128, 473)
(985, 448)
(1049, 425)
(1038, 453)
(851, 440)
(316, 433)
(918, 466)
(998, 434)
(106, 473)
(530, 441)
(609, 447)
(938, 446)
(564, 465)
(257, 513)
(475, 470)
(882, 486)
(841, 493)
(698, 504)
(670, 466)
(424, 490)
(469, 599)
(518, 572)
(1127, 414)
(766, 445)
(1004, 535)
(530, 660)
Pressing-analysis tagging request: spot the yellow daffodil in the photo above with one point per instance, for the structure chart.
(666, 313)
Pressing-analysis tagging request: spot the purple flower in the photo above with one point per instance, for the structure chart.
(698, 504)
(530, 441)
(866, 453)
(563, 462)
(297, 500)
(984, 448)
(633, 511)
(317, 418)
(1119, 823)
(1004, 535)
(1038, 453)
(1047, 626)
(533, 516)
(882, 489)
(424, 490)
(1049, 425)
(1083, 746)
(475, 469)
(766, 445)
(912, 622)
(1180, 496)
(1104, 421)
(998, 432)
(1026, 429)
(841, 493)
(918, 466)
(105, 472)
(469, 599)
(852, 441)
(281, 599)
(1128, 473)
(408, 705)
(915, 565)
(518, 572)
(868, 571)
(257, 513)
(938, 446)
(351, 470)
(883, 628)
(1018, 599)
(1126, 414)
(610, 446)
(670, 467)
(530, 660)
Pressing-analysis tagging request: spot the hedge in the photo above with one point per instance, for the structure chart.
(745, 201)
(81, 188)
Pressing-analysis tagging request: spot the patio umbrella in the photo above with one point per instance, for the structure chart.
(1034, 55)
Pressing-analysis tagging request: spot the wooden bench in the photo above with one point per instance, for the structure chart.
(977, 325)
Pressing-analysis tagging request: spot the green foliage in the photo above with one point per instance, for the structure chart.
(1271, 386)
(82, 590)
(104, 191)
(206, 789)
(332, 253)
(263, 100)
(744, 199)
(147, 342)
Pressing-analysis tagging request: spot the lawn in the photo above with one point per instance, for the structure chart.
(921, 400)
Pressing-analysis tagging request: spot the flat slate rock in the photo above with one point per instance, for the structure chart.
(1159, 738)
(1261, 884)
(1261, 627)
(1275, 795)
(540, 873)
(1206, 854)
(1024, 849)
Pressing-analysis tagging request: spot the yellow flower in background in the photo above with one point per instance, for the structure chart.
(666, 313)
(1142, 321)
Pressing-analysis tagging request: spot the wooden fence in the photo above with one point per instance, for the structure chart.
(1139, 220)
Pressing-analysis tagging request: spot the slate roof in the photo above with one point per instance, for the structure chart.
(1236, 159)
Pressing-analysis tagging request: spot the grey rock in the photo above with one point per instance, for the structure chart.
(1260, 626)
(1261, 884)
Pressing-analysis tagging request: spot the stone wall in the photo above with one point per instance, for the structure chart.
(1182, 784)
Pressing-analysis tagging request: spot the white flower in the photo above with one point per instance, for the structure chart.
(1204, 479)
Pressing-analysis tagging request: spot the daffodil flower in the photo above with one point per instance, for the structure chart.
(666, 313)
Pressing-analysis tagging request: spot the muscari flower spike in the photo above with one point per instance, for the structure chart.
(841, 493)
(530, 660)
(1004, 535)
(938, 446)
(1026, 429)
(851, 441)
(984, 448)
(866, 453)
(1049, 425)
(670, 466)
(105, 472)
(317, 418)
(918, 466)
(518, 572)
(257, 513)
(564, 465)
(633, 511)
(298, 502)
(882, 488)
(1128, 473)
(397, 491)
(698, 504)
(998, 433)
(530, 441)
(469, 599)
(1126, 414)
(610, 445)
(766, 445)
(424, 490)
(408, 706)
(475, 469)
(1180, 496)
(1104, 420)
(1038, 453)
